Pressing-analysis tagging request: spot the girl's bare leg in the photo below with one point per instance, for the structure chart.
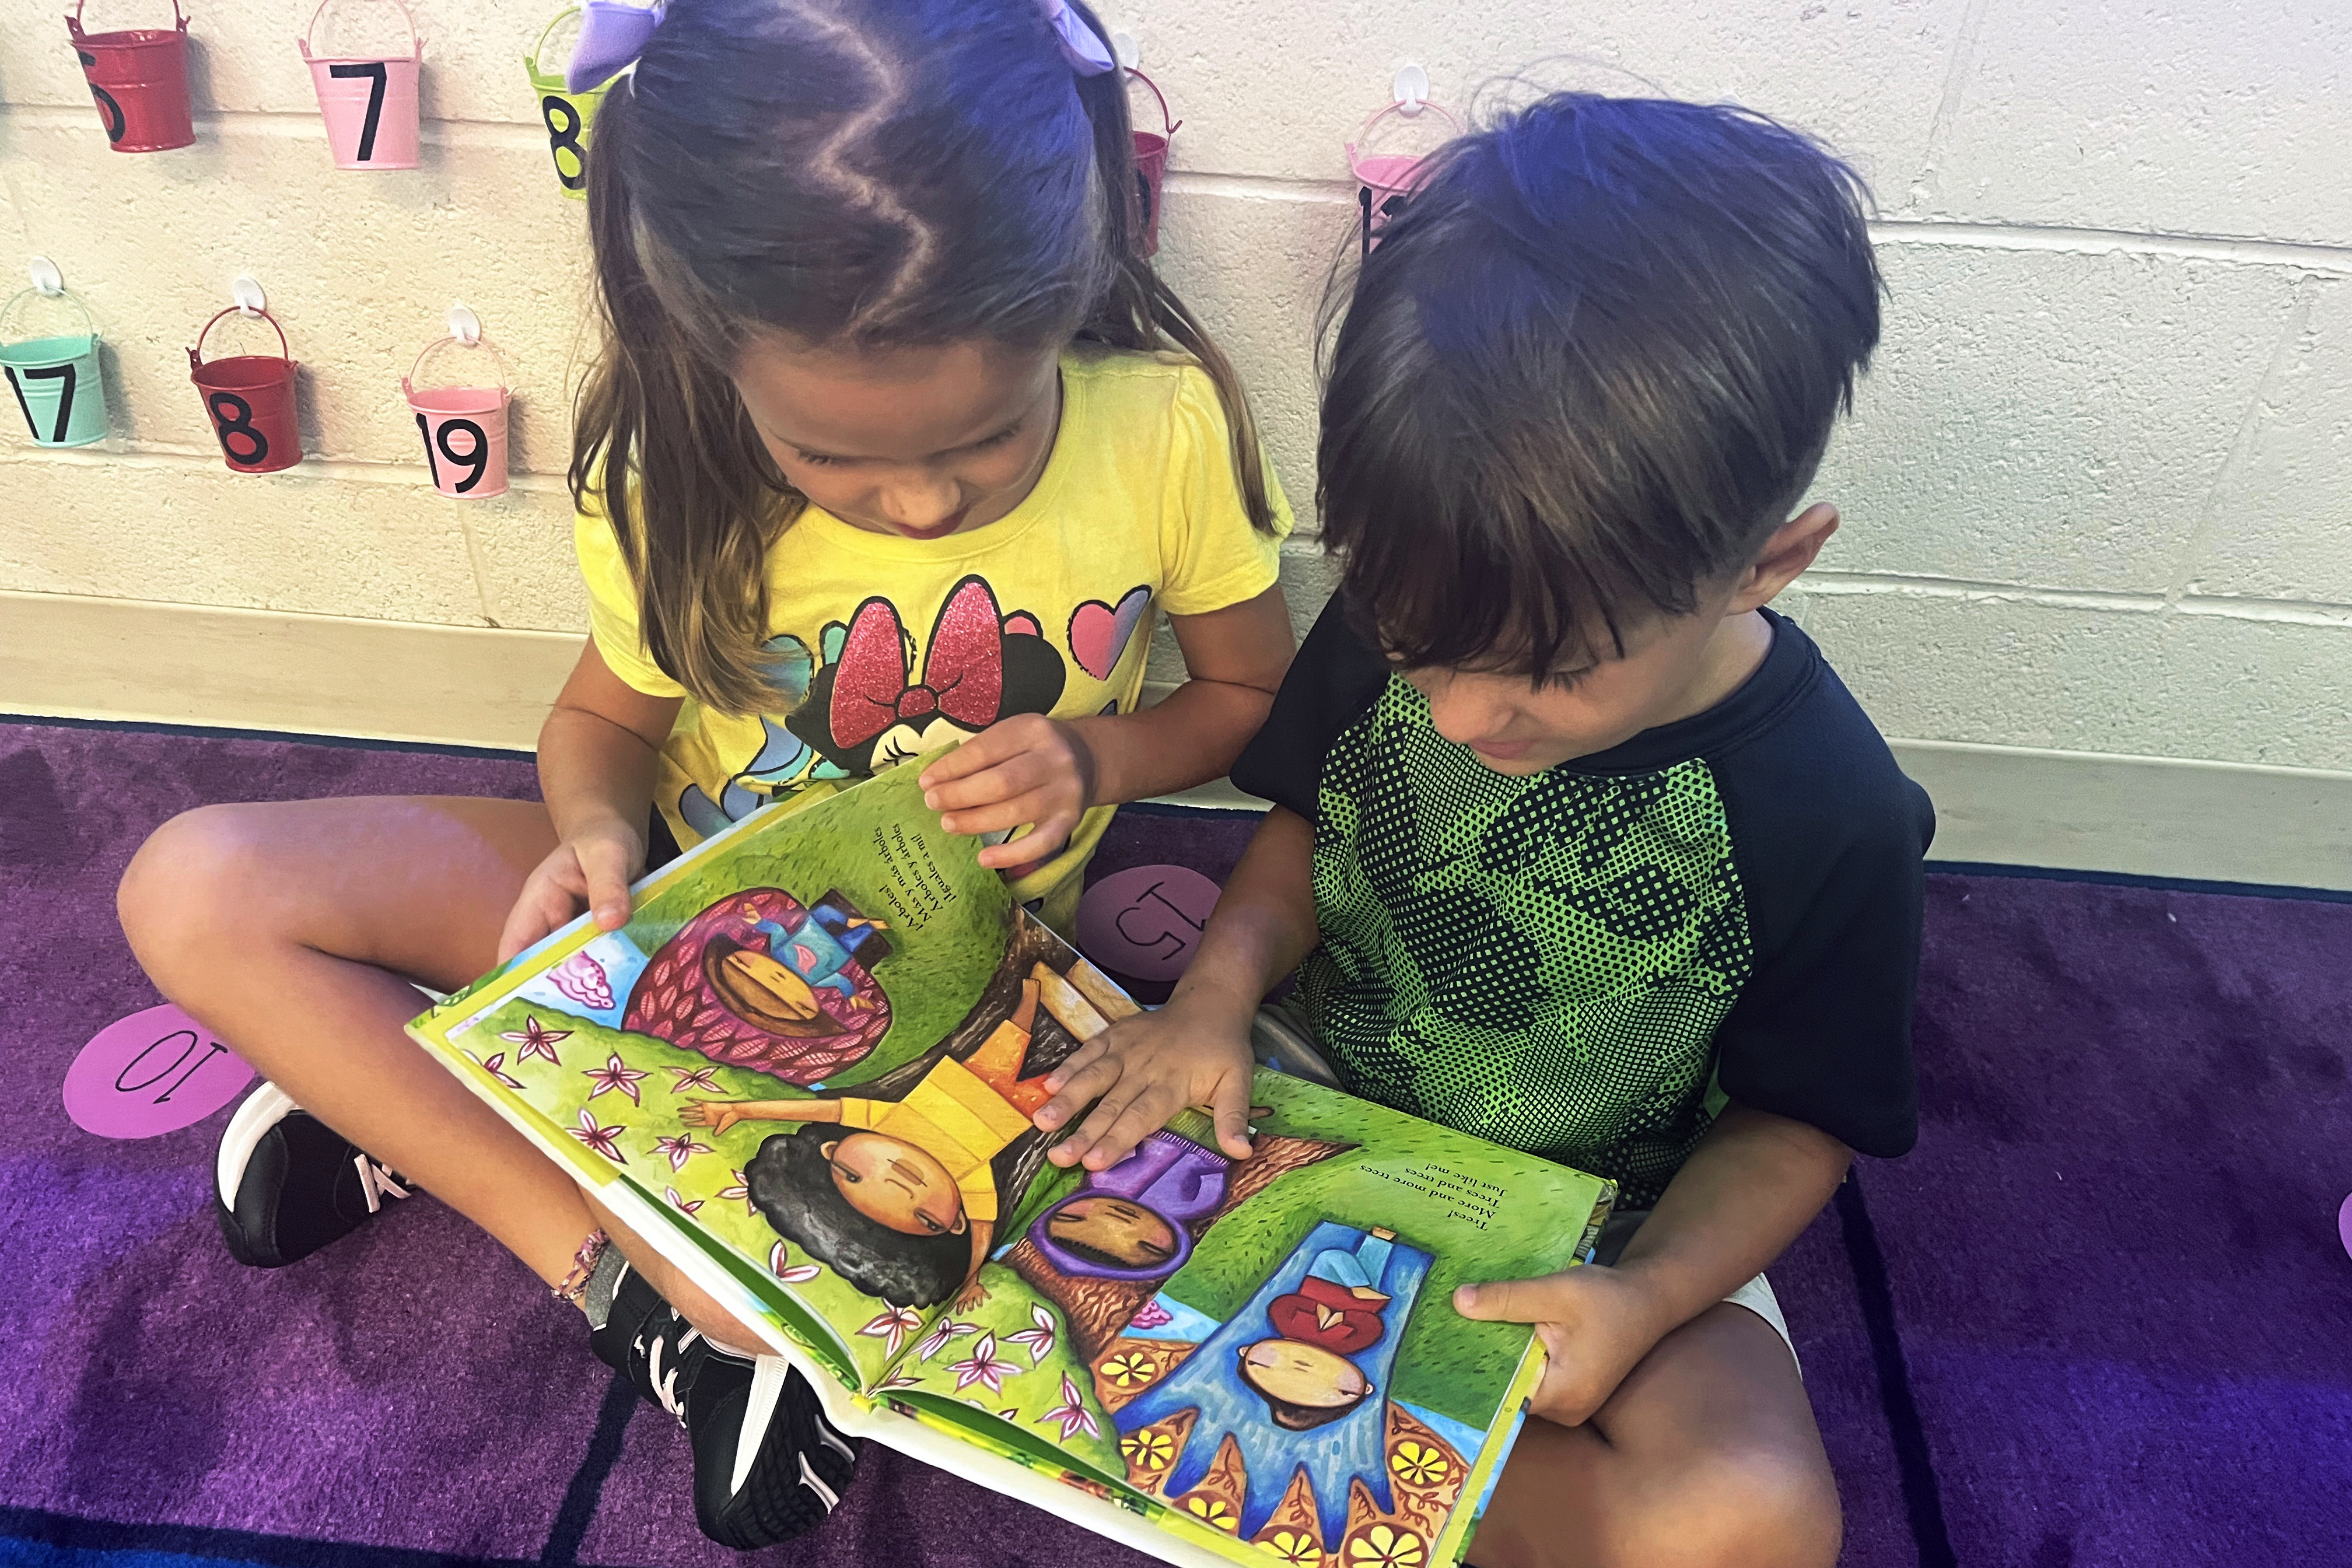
(1705, 1456)
(288, 928)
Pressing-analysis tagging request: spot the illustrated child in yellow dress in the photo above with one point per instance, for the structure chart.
(898, 1197)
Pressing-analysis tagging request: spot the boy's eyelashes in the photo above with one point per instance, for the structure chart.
(826, 460)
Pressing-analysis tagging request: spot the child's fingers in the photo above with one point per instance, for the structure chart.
(1038, 845)
(1144, 1114)
(542, 907)
(1084, 1056)
(1012, 811)
(1014, 776)
(1230, 1106)
(605, 874)
(983, 750)
(1505, 1301)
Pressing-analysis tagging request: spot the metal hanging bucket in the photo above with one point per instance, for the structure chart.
(369, 104)
(138, 79)
(1384, 180)
(464, 427)
(1152, 166)
(56, 379)
(566, 114)
(249, 398)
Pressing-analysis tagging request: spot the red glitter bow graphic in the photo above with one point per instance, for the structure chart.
(963, 668)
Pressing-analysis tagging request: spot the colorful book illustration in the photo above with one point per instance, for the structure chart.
(806, 1070)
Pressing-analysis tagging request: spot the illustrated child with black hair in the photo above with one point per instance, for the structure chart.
(895, 443)
(898, 1197)
(1576, 846)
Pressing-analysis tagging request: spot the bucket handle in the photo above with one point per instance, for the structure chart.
(415, 39)
(178, 16)
(21, 295)
(1365, 131)
(530, 60)
(196, 355)
(506, 377)
(1173, 125)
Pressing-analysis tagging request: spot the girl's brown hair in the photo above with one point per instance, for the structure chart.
(851, 173)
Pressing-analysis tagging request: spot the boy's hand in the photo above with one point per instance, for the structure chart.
(590, 869)
(1145, 1069)
(1596, 1323)
(718, 1115)
(1026, 771)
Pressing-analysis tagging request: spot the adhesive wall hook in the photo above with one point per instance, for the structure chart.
(464, 325)
(1126, 50)
(1409, 88)
(45, 277)
(246, 296)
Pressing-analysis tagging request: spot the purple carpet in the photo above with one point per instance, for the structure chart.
(2100, 1317)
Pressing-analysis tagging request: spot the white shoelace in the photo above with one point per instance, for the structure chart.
(376, 1183)
(665, 1382)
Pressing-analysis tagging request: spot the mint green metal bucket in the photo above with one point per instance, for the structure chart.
(56, 382)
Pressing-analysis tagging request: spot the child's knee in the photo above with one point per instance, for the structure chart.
(1756, 1507)
(184, 881)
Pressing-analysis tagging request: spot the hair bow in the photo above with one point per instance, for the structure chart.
(1080, 46)
(613, 33)
(964, 668)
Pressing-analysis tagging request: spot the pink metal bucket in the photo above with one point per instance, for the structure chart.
(1384, 180)
(1151, 167)
(464, 427)
(138, 79)
(369, 104)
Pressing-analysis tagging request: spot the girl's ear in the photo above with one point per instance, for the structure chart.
(828, 1146)
(962, 1224)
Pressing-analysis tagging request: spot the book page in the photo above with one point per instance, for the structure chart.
(1264, 1353)
(755, 1049)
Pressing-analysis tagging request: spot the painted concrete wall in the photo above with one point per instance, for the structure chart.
(2098, 492)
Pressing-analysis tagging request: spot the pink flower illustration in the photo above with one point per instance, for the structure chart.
(692, 1079)
(740, 1188)
(493, 1066)
(680, 1149)
(780, 1264)
(536, 1040)
(1150, 1315)
(892, 1326)
(983, 1367)
(1039, 1340)
(599, 1138)
(616, 1077)
(683, 1204)
(944, 1330)
(582, 979)
(1072, 1414)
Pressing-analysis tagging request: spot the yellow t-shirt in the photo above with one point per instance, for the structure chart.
(957, 1119)
(904, 647)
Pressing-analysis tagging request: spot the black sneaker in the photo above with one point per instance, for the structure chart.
(768, 1465)
(289, 1184)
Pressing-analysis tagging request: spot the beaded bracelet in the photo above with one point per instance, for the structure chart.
(575, 1288)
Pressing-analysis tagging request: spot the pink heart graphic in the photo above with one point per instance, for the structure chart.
(1098, 634)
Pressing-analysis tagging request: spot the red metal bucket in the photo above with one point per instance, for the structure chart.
(249, 398)
(1151, 167)
(138, 79)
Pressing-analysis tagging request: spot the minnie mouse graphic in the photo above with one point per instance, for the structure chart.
(869, 708)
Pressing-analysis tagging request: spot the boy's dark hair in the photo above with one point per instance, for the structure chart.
(1589, 368)
(856, 173)
(791, 1184)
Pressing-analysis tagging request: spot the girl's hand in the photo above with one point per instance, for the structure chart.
(1596, 1325)
(590, 869)
(1026, 771)
(1145, 1069)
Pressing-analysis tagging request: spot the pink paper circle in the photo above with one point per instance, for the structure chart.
(153, 1072)
(2344, 1225)
(1145, 921)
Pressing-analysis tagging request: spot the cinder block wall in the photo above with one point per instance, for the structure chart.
(2098, 492)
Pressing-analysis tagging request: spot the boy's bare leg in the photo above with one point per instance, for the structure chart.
(1705, 1456)
(288, 929)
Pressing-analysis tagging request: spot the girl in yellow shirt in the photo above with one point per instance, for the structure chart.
(895, 439)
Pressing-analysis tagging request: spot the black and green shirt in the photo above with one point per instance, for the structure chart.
(1587, 962)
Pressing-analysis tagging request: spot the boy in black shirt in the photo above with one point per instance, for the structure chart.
(1575, 845)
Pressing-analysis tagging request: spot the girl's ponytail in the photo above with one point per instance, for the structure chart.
(1139, 310)
(662, 446)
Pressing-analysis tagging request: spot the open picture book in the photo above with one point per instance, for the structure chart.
(805, 1072)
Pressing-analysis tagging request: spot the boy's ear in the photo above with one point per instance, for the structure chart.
(962, 1224)
(1784, 557)
(828, 1146)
